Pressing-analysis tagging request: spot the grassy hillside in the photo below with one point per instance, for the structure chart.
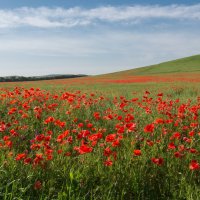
(188, 64)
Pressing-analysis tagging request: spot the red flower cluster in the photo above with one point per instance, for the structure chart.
(38, 127)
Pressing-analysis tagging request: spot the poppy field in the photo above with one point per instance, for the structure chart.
(115, 142)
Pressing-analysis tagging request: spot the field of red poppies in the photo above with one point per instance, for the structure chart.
(137, 142)
(127, 135)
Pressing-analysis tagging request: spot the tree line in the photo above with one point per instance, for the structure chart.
(38, 78)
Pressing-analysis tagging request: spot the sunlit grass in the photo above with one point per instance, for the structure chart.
(68, 172)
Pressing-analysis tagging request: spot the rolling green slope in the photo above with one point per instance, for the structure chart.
(188, 64)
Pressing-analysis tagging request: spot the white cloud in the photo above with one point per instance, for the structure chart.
(94, 53)
(44, 17)
(99, 49)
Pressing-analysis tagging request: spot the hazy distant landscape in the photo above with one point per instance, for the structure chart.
(37, 78)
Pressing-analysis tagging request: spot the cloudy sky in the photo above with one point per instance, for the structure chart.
(39, 37)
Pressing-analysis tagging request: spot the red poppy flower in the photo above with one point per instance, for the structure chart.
(137, 152)
(84, 149)
(27, 161)
(150, 143)
(107, 151)
(116, 143)
(192, 150)
(171, 146)
(95, 137)
(178, 154)
(149, 128)
(2, 127)
(37, 185)
(108, 162)
(110, 138)
(20, 156)
(194, 165)
(159, 121)
(157, 161)
(49, 119)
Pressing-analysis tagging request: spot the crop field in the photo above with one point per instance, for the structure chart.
(116, 136)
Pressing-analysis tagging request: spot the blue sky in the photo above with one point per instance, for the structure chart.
(88, 3)
(40, 37)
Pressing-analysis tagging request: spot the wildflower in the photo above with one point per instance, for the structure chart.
(38, 185)
(149, 128)
(108, 162)
(107, 151)
(178, 154)
(158, 161)
(194, 165)
(171, 146)
(95, 137)
(20, 156)
(27, 161)
(84, 148)
(137, 152)
(110, 138)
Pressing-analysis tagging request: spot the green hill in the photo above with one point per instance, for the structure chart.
(188, 64)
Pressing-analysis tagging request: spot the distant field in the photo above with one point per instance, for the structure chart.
(126, 135)
(181, 70)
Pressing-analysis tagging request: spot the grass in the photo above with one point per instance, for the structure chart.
(77, 141)
(189, 64)
(85, 176)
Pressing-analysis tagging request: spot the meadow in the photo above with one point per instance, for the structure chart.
(117, 136)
